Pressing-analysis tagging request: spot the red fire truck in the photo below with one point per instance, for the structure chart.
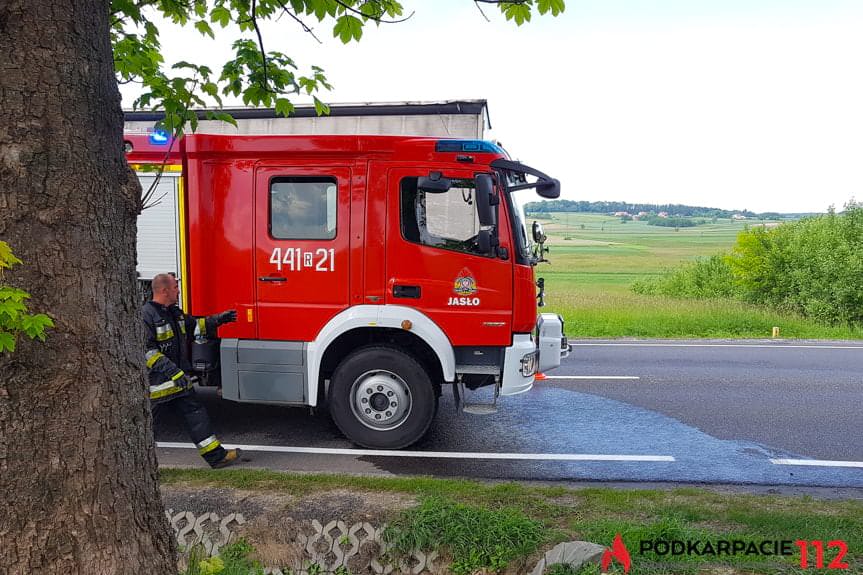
(367, 271)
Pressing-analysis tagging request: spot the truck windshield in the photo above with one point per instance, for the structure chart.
(519, 199)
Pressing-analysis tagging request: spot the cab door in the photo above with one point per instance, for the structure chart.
(434, 262)
(302, 231)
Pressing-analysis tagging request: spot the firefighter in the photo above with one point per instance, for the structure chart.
(169, 334)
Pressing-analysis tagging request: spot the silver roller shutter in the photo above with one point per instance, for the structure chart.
(158, 229)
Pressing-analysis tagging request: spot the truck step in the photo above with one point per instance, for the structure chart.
(479, 408)
(481, 369)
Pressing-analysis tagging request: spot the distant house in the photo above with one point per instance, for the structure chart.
(738, 217)
(662, 214)
(621, 214)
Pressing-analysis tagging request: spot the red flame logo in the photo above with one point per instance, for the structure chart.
(617, 552)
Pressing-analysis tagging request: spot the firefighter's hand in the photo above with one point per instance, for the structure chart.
(186, 382)
(228, 316)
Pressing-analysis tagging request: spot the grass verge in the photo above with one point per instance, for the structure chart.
(475, 513)
(625, 314)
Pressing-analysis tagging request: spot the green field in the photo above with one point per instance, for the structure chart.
(595, 258)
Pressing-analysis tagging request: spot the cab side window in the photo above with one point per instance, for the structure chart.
(303, 208)
(445, 220)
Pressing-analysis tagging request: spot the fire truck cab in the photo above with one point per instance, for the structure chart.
(367, 271)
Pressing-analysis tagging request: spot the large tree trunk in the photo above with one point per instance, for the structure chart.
(77, 460)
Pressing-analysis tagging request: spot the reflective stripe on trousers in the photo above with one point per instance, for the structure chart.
(208, 445)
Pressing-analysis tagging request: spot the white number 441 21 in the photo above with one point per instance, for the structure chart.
(295, 259)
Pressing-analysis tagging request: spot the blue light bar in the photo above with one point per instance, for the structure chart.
(467, 146)
(159, 137)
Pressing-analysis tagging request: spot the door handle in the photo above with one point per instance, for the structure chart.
(272, 279)
(412, 292)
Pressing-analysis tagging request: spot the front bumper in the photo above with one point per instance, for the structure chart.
(519, 365)
(529, 355)
(551, 341)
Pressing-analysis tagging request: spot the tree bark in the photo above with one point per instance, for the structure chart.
(77, 458)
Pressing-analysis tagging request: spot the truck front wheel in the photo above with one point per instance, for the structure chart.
(382, 398)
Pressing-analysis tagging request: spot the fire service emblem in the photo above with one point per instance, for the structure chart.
(464, 286)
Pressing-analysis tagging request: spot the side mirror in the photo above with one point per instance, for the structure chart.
(434, 183)
(538, 235)
(485, 200)
(549, 189)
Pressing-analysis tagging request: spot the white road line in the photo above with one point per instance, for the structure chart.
(592, 377)
(434, 454)
(817, 462)
(756, 345)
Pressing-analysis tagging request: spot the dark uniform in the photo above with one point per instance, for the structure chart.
(169, 336)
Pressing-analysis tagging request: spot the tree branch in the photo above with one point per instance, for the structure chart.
(299, 21)
(261, 44)
(478, 7)
(378, 19)
(147, 197)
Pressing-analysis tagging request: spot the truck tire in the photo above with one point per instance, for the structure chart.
(381, 398)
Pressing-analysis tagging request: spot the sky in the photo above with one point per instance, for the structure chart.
(735, 104)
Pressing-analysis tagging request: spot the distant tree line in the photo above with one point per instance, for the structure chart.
(548, 206)
(813, 266)
(672, 222)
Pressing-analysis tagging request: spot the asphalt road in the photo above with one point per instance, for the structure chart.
(716, 412)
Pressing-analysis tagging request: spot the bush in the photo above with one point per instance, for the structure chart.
(812, 267)
(709, 277)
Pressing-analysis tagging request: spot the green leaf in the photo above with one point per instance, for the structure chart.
(321, 109)
(284, 107)
(126, 7)
(554, 6)
(321, 8)
(35, 325)
(372, 10)
(224, 117)
(192, 120)
(7, 342)
(348, 28)
(200, 8)
(7, 258)
(204, 28)
(151, 29)
(221, 16)
(518, 12)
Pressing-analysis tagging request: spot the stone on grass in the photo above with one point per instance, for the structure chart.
(573, 553)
